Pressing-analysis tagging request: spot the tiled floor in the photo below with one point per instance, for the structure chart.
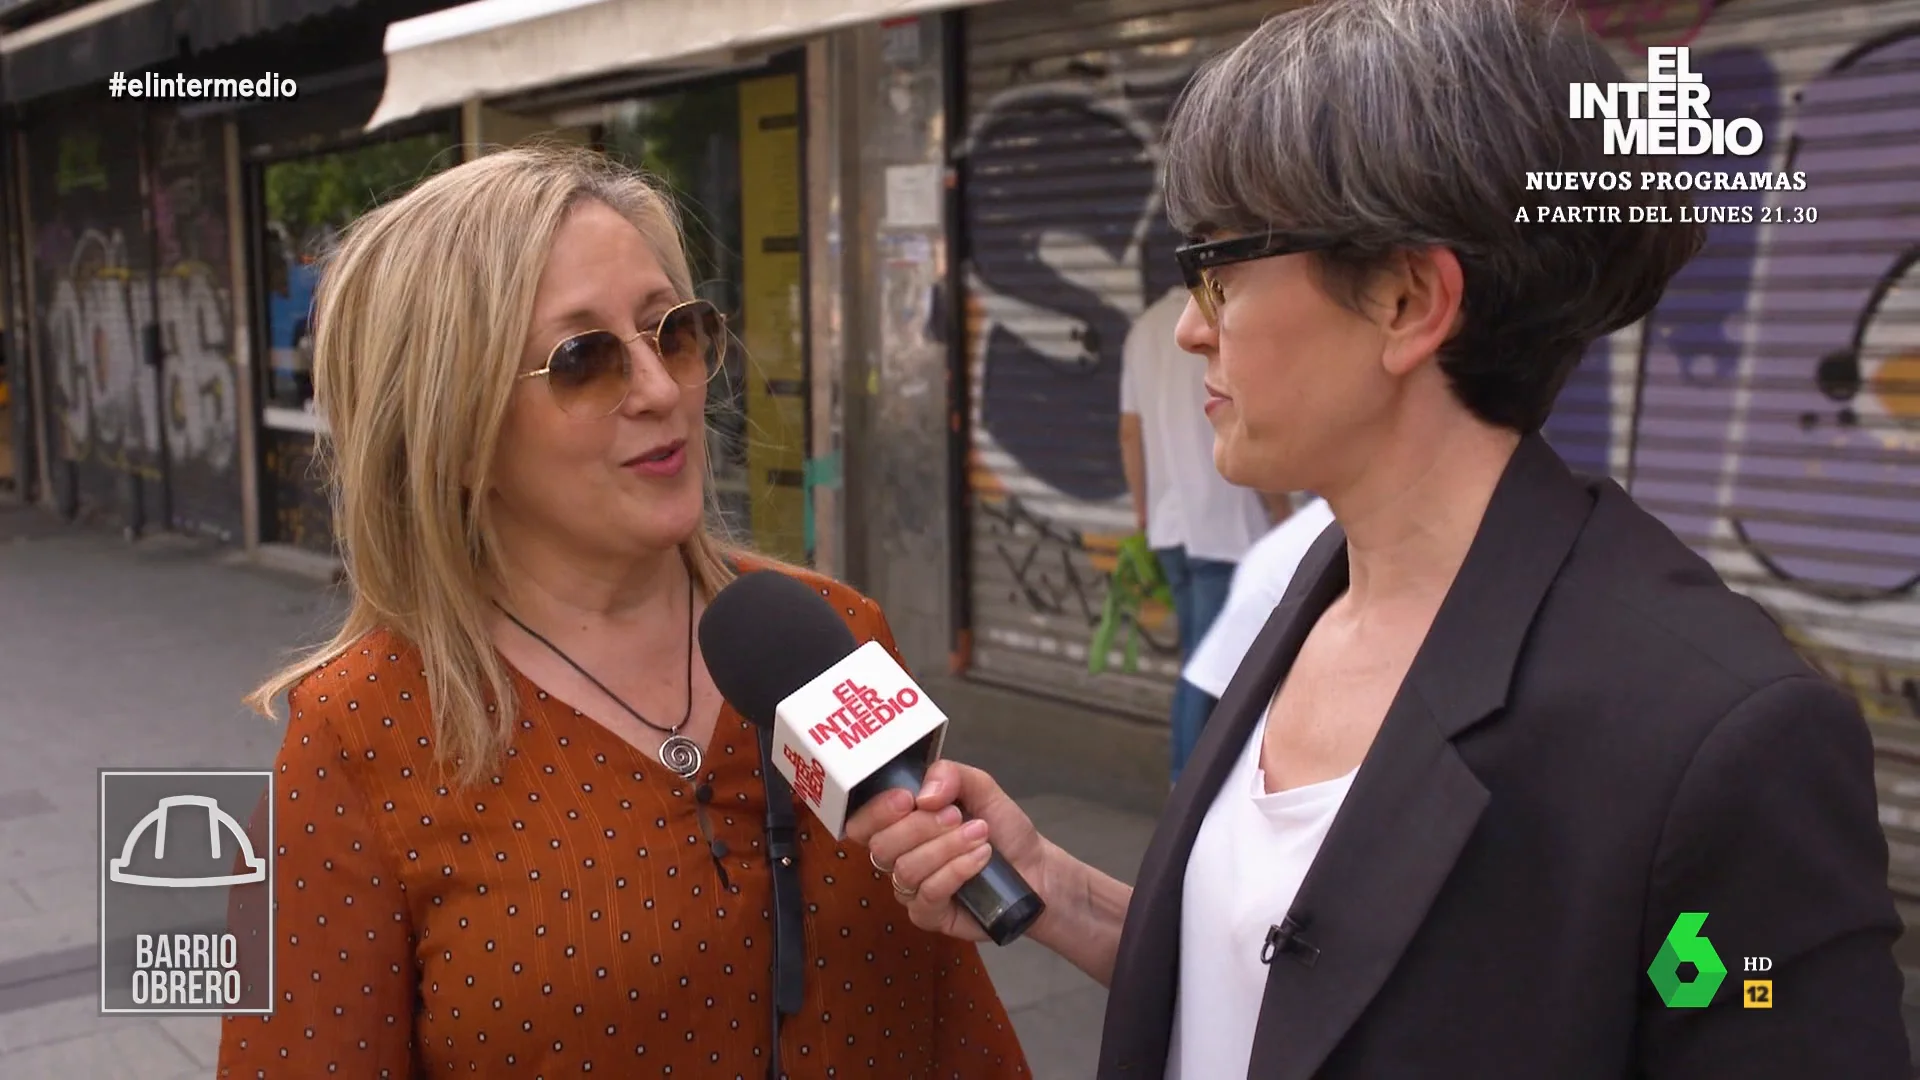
(70, 1039)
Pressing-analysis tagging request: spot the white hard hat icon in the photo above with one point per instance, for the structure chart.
(157, 819)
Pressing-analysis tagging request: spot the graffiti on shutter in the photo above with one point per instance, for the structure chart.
(201, 403)
(90, 263)
(1768, 411)
(1068, 243)
(95, 238)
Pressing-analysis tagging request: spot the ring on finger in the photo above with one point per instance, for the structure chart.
(903, 890)
(875, 860)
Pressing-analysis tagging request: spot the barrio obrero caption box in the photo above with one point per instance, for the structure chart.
(186, 891)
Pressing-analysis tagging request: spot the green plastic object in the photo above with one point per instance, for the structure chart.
(1137, 578)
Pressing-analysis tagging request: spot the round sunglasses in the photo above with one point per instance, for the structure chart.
(591, 373)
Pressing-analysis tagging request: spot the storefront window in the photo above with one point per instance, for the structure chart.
(729, 153)
(308, 201)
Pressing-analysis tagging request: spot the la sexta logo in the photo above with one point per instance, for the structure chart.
(1686, 945)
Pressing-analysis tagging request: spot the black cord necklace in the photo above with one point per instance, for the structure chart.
(678, 753)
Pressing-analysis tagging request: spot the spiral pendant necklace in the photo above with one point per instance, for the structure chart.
(678, 753)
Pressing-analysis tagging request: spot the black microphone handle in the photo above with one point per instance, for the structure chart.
(998, 898)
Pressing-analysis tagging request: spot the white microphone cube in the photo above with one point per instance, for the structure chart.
(847, 724)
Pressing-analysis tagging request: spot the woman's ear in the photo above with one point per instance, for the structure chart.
(1424, 301)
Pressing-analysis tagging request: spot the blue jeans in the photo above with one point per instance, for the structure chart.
(1199, 588)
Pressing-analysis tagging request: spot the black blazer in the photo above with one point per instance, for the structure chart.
(1596, 736)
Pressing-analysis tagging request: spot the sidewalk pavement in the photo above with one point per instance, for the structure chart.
(137, 655)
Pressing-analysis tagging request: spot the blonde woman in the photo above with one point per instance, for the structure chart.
(518, 831)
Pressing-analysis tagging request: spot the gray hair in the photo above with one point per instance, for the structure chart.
(1390, 125)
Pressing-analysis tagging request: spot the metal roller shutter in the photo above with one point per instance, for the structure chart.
(92, 265)
(1769, 409)
(128, 217)
(1066, 242)
(200, 399)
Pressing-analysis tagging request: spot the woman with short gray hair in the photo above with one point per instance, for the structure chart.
(1511, 784)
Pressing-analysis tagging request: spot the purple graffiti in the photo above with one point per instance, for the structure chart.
(1683, 400)
(1692, 344)
(1060, 180)
(1581, 427)
(1827, 493)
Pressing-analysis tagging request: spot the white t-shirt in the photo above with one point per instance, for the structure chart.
(1188, 503)
(1259, 582)
(1249, 858)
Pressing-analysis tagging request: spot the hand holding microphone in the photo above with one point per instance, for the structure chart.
(850, 730)
(929, 846)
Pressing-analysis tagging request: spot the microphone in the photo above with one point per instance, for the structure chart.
(1285, 939)
(847, 723)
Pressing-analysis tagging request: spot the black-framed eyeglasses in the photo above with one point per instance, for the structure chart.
(589, 374)
(1199, 259)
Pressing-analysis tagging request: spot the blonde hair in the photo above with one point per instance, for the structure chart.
(421, 317)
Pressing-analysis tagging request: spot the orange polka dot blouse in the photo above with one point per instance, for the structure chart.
(567, 918)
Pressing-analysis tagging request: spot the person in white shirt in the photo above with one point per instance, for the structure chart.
(1258, 584)
(1197, 524)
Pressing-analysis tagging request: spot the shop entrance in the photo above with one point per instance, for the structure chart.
(728, 148)
(302, 204)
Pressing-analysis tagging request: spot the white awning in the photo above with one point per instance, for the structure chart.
(492, 48)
